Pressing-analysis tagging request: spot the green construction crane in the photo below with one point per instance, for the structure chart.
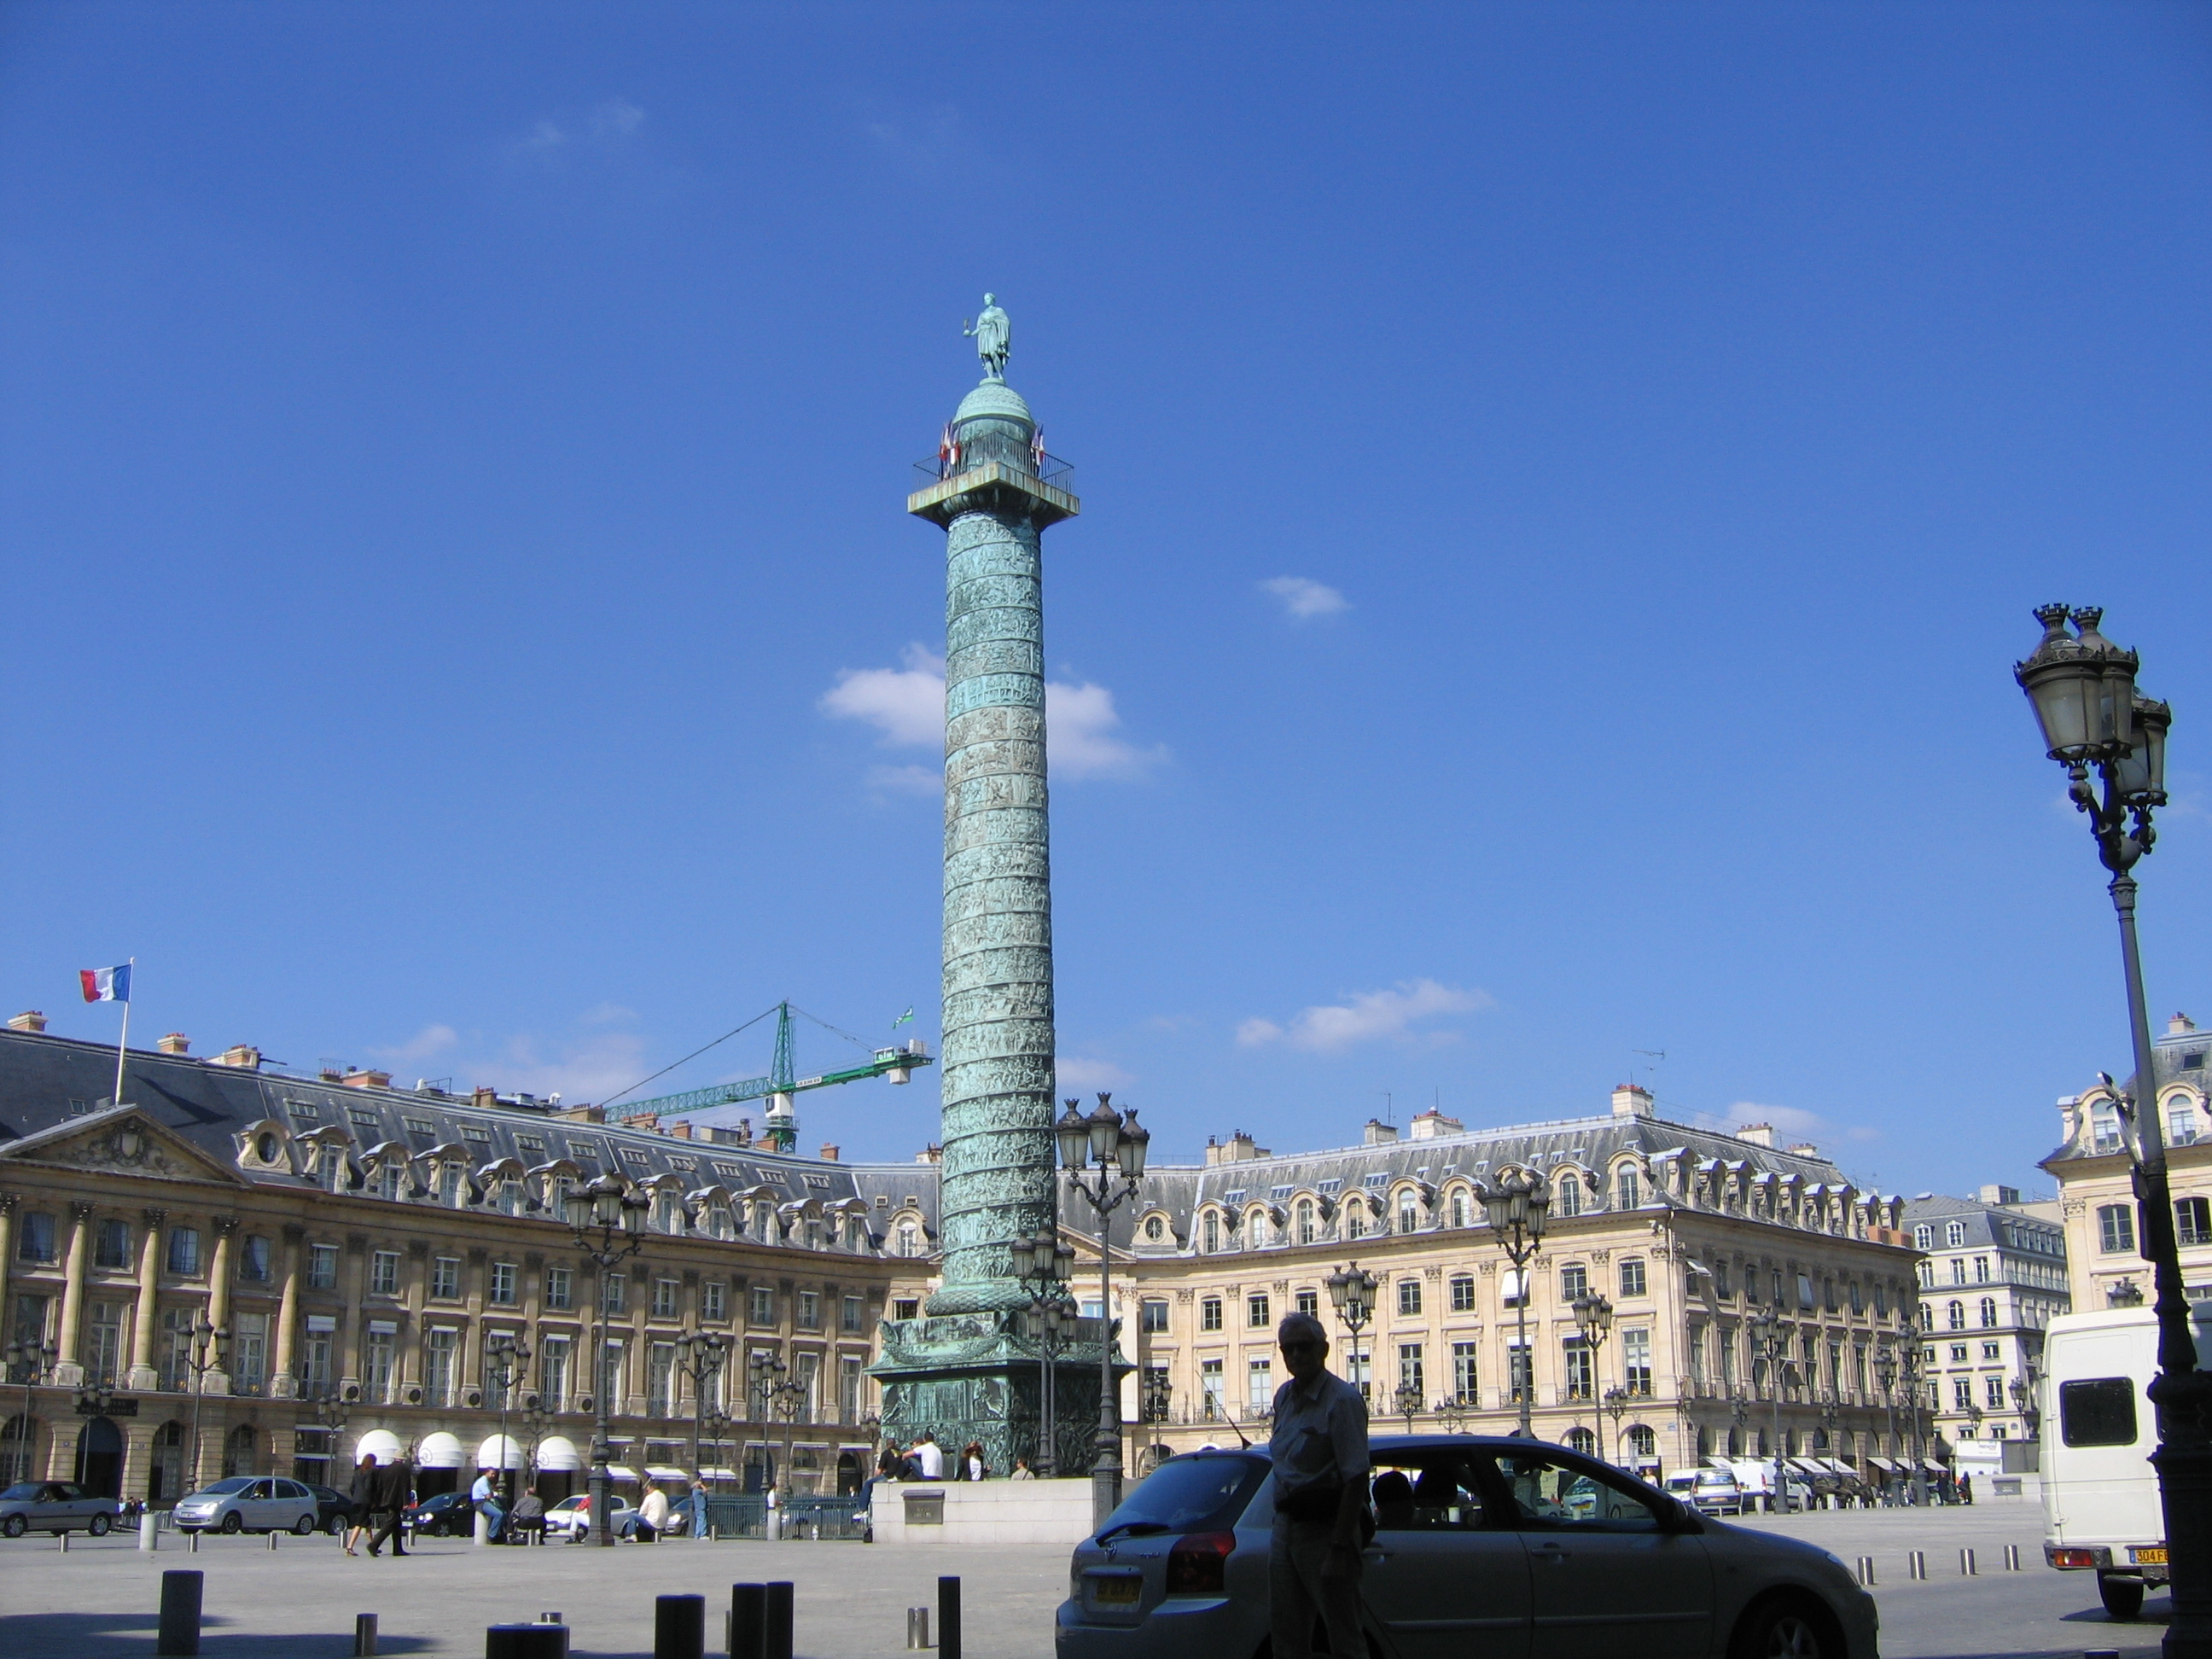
(781, 1131)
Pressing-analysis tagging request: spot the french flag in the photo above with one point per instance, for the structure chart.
(106, 984)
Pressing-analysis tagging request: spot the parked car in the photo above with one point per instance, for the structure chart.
(1479, 1541)
(250, 1503)
(335, 1510)
(1712, 1492)
(54, 1506)
(569, 1519)
(449, 1514)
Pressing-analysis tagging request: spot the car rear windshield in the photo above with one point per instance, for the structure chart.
(1200, 1493)
(2098, 1411)
(236, 1483)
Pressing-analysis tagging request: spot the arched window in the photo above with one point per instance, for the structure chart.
(1734, 1443)
(1155, 1229)
(19, 1439)
(1989, 1313)
(2104, 1127)
(510, 1197)
(1583, 1441)
(165, 1476)
(1569, 1199)
(2181, 1122)
(386, 1184)
(1355, 1218)
(1642, 1441)
(1459, 1206)
(1954, 1235)
(241, 1451)
(1305, 1221)
(1255, 1226)
(1625, 1196)
(1957, 1310)
(1212, 1231)
(1409, 1211)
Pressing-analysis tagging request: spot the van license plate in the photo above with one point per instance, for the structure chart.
(2148, 1558)
(1117, 1592)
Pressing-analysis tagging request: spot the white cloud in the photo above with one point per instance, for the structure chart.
(1303, 597)
(906, 705)
(1073, 1074)
(1367, 1016)
(601, 131)
(577, 1069)
(425, 1044)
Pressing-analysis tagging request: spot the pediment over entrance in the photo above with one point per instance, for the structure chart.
(122, 1141)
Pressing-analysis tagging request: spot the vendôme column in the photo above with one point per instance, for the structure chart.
(961, 1369)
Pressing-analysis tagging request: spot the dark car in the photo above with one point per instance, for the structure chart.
(449, 1514)
(335, 1510)
(1481, 1545)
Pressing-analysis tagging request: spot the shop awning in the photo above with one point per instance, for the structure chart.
(717, 1473)
(557, 1454)
(665, 1472)
(619, 1471)
(380, 1443)
(500, 1452)
(439, 1451)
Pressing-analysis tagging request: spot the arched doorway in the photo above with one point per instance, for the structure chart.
(19, 1442)
(241, 1451)
(100, 1458)
(849, 1474)
(165, 1473)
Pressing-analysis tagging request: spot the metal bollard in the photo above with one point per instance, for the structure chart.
(64, 1535)
(195, 1537)
(525, 1642)
(748, 1621)
(948, 1617)
(364, 1635)
(1967, 1563)
(679, 1627)
(1916, 1564)
(917, 1627)
(2012, 1558)
(179, 1635)
(550, 1618)
(776, 1630)
(149, 1531)
(273, 1536)
(1866, 1571)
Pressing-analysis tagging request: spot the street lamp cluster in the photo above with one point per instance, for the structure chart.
(608, 1220)
(1102, 1153)
(2083, 690)
(1518, 1206)
(1043, 1265)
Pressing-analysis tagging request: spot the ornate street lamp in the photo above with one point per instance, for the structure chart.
(1104, 1154)
(536, 1420)
(1771, 1337)
(28, 1363)
(1044, 1264)
(1885, 1377)
(1408, 1402)
(1157, 1392)
(1615, 1401)
(1518, 1207)
(1351, 1291)
(209, 1345)
(701, 1355)
(2024, 1399)
(778, 1397)
(608, 1220)
(2083, 690)
(505, 1360)
(1594, 1314)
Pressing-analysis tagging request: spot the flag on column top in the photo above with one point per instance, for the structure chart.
(106, 984)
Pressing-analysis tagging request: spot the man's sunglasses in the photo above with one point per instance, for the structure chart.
(1303, 1345)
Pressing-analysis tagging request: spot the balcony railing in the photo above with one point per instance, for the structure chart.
(986, 448)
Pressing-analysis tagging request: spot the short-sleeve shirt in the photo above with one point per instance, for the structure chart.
(1320, 1436)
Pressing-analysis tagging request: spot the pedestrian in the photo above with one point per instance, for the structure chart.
(1022, 1470)
(930, 1457)
(1966, 1490)
(972, 1465)
(651, 1514)
(1319, 1448)
(364, 1480)
(484, 1497)
(695, 1511)
(389, 1493)
(528, 1518)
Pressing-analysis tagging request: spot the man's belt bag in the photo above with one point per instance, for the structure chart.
(1312, 1502)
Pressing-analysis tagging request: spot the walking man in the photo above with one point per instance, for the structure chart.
(364, 1483)
(1319, 1448)
(388, 1492)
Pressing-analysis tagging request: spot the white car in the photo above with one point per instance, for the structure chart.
(569, 1519)
(1712, 1492)
(250, 1503)
(54, 1506)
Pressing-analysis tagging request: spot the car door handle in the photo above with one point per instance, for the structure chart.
(1549, 1552)
(1374, 1555)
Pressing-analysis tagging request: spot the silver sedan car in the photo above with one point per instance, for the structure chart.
(250, 1503)
(54, 1506)
(1512, 1548)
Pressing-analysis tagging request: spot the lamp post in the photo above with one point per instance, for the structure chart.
(778, 1398)
(28, 1364)
(1043, 1264)
(505, 1360)
(1408, 1402)
(701, 1355)
(1450, 1413)
(1103, 1153)
(1594, 1314)
(535, 1419)
(1772, 1339)
(1157, 1391)
(2083, 690)
(1518, 1207)
(1912, 1383)
(1615, 1401)
(1352, 1290)
(2024, 1397)
(1885, 1377)
(209, 1345)
(608, 1220)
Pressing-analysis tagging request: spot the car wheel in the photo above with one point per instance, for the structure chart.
(1787, 1627)
(98, 1526)
(335, 1525)
(2122, 1597)
(304, 1527)
(13, 1527)
(233, 1522)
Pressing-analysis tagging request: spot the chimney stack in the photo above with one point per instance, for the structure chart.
(1379, 1134)
(2179, 1024)
(483, 1096)
(243, 1055)
(1430, 1124)
(30, 1020)
(1804, 1149)
(1758, 1135)
(367, 1079)
(175, 1044)
(1631, 1100)
(830, 1151)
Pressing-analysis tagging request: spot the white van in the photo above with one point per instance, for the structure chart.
(2100, 1502)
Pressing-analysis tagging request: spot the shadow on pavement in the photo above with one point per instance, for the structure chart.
(102, 1635)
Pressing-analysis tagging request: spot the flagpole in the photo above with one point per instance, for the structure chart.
(122, 1044)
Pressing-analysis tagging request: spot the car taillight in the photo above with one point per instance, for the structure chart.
(1197, 1564)
(2073, 1558)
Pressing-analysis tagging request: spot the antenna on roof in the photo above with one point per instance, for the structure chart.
(1651, 1071)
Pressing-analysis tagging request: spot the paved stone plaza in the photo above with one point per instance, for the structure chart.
(98, 1601)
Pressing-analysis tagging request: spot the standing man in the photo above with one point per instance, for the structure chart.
(389, 1489)
(1319, 1447)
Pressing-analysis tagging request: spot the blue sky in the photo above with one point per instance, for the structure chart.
(1564, 488)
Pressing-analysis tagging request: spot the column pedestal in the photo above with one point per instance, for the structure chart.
(959, 1377)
